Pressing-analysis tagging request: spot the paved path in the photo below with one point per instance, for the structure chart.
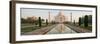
(61, 29)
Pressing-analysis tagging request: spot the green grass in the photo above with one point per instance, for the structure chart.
(26, 24)
(82, 26)
(28, 29)
(31, 28)
(89, 27)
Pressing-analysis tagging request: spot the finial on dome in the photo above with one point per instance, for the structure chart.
(61, 12)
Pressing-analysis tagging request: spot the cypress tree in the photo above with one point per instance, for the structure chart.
(40, 22)
(86, 21)
(46, 21)
(74, 22)
(79, 21)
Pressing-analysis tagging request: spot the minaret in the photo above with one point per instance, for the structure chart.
(71, 17)
(49, 16)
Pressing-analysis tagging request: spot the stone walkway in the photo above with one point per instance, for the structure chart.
(61, 29)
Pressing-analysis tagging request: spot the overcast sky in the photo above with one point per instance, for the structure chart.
(28, 12)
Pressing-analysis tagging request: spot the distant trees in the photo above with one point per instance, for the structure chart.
(35, 21)
(53, 22)
(74, 22)
(28, 20)
(46, 21)
(42, 20)
(23, 20)
(31, 20)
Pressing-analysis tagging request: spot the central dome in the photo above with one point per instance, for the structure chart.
(60, 18)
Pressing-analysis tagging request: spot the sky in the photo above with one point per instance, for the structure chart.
(44, 13)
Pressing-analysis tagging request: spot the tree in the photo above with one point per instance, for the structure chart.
(40, 22)
(36, 22)
(86, 21)
(74, 22)
(79, 21)
(46, 21)
(82, 20)
(53, 22)
(42, 19)
(23, 20)
(90, 19)
(30, 20)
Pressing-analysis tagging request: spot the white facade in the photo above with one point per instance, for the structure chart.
(60, 18)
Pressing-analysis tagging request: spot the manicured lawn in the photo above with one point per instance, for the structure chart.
(31, 27)
(28, 29)
(82, 26)
(89, 27)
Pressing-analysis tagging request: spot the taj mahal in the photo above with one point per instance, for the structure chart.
(60, 18)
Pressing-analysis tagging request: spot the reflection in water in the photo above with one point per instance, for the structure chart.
(60, 29)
